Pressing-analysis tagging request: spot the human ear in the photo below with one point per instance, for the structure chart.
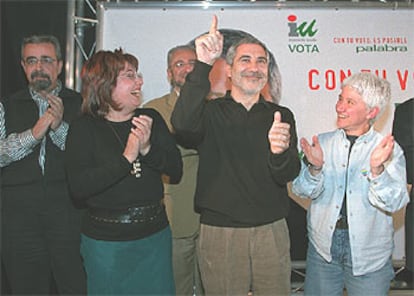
(373, 112)
(228, 70)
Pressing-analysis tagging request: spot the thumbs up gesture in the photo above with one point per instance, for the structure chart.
(210, 46)
(279, 134)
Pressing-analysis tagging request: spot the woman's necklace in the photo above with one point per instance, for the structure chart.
(136, 165)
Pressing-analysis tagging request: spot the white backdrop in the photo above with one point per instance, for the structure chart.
(332, 41)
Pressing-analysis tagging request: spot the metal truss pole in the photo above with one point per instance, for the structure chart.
(70, 45)
(79, 37)
(75, 45)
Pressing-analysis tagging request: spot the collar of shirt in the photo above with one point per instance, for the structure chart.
(39, 99)
(365, 138)
(172, 98)
(261, 100)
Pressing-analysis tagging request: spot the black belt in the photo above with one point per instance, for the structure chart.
(341, 223)
(129, 215)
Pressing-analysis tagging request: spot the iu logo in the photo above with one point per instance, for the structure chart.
(303, 30)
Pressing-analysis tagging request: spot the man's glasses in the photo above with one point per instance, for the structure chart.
(44, 61)
(180, 65)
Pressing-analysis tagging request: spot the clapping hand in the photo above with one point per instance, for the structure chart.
(139, 138)
(313, 153)
(381, 154)
(52, 118)
(55, 110)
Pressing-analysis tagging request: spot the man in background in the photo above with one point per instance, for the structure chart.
(179, 199)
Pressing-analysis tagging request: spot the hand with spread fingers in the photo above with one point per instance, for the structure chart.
(313, 152)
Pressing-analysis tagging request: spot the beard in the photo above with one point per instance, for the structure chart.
(177, 81)
(40, 81)
(177, 84)
(247, 87)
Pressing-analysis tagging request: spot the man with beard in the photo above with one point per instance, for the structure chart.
(247, 154)
(40, 225)
(179, 198)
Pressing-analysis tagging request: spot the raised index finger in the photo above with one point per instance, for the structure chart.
(213, 26)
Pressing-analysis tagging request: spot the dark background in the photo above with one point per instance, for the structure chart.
(24, 18)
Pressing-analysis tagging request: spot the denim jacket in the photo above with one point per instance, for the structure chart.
(370, 201)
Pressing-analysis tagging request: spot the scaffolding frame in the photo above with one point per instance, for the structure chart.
(76, 51)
